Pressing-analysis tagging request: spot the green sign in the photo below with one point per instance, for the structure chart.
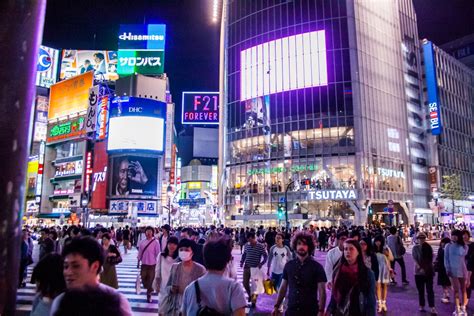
(147, 62)
(297, 168)
(67, 129)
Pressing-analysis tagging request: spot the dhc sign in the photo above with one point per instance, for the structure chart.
(335, 195)
(432, 87)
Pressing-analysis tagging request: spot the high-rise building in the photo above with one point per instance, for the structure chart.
(321, 112)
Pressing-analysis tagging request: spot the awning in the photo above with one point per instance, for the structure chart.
(53, 215)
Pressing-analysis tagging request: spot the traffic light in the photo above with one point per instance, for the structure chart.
(371, 211)
(280, 211)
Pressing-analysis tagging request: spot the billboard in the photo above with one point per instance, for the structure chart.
(99, 176)
(47, 66)
(147, 62)
(71, 168)
(136, 133)
(432, 88)
(41, 119)
(132, 106)
(285, 64)
(70, 96)
(101, 62)
(205, 142)
(132, 207)
(31, 174)
(200, 108)
(142, 36)
(134, 175)
(72, 128)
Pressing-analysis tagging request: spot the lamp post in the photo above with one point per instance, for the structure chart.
(169, 192)
(286, 204)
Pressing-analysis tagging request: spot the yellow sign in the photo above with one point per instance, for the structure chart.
(70, 96)
(194, 185)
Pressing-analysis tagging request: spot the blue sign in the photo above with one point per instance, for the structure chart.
(200, 201)
(132, 106)
(432, 87)
(44, 60)
(142, 36)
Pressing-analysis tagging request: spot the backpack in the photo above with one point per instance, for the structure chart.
(204, 310)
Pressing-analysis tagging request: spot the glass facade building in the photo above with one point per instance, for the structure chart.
(315, 100)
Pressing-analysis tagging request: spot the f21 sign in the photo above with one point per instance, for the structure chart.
(200, 108)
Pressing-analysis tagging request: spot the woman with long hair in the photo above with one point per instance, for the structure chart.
(455, 264)
(424, 272)
(370, 259)
(384, 257)
(108, 276)
(353, 293)
(443, 279)
(163, 266)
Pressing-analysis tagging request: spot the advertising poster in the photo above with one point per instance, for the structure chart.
(257, 112)
(102, 63)
(146, 62)
(134, 175)
(66, 129)
(47, 67)
(91, 117)
(99, 176)
(70, 96)
(68, 168)
(32, 172)
(200, 108)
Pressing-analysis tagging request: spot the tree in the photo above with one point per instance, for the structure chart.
(451, 188)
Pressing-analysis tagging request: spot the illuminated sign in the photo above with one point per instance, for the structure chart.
(99, 179)
(91, 117)
(39, 177)
(200, 108)
(132, 106)
(285, 64)
(336, 195)
(297, 168)
(387, 172)
(190, 202)
(64, 130)
(432, 88)
(136, 133)
(88, 174)
(70, 96)
(139, 207)
(147, 62)
(68, 168)
(63, 191)
(103, 116)
(103, 64)
(47, 66)
(142, 36)
(194, 185)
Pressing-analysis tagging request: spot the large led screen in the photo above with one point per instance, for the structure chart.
(76, 62)
(136, 133)
(134, 175)
(285, 64)
(201, 108)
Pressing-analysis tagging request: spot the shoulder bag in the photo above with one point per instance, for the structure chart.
(401, 249)
(203, 310)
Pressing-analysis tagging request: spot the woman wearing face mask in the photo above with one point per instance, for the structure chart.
(163, 266)
(182, 274)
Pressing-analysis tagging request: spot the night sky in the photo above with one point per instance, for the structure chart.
(192, 43)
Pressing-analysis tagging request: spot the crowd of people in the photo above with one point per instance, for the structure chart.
(192, 269)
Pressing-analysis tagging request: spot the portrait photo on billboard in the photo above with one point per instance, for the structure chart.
(76, 62)
(134, 175)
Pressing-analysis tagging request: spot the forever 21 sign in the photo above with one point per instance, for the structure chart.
(200, 108)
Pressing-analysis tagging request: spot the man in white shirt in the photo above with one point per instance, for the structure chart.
(333, 257)
(278, 256)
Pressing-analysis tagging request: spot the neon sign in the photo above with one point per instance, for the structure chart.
(200, 108)
(68, 129)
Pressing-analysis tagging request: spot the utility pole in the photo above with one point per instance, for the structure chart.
(21, 23)
(286, 205)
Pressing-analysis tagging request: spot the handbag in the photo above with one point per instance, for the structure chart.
(203, 310)
(269, 287)
(401, 249)
(170, 304)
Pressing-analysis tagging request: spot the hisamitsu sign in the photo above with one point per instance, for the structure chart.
(200, 108)
(334, 195)
(142, 36)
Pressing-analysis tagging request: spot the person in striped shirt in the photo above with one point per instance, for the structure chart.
(252, 258)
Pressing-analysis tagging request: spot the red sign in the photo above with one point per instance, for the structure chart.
(99, 176)
(173, 164)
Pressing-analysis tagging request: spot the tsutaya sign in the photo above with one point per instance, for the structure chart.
(335, 195)
(387, 172)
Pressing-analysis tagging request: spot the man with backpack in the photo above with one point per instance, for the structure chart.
(395, 243)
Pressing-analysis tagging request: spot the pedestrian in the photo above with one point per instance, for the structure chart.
(165, 234)
(424, 272)
(304, 279)
(322, 240)
(242, 239)
(213, 290)
(83, 260)
(46, 243)
(49, 280)
(370, 259)
(148, 251)
(333, 256)
(278, 256)
(119, 237)
(90, 301)
(353, 292)
(443, 279)
(455, 264)
(108, 276)
(270, 238)
(126, 239)
(163, 266)
(384, 257)
(469, 262)
(254, 256)
(182, 274)
(25, 258)
(395, 243)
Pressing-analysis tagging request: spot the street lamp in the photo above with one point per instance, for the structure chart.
(169, 192)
